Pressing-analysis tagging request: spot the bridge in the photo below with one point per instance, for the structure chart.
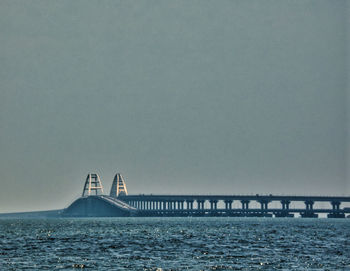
(119, 203)
(94, 203)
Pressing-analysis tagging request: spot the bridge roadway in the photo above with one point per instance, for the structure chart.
(101, 205)
(194, 205)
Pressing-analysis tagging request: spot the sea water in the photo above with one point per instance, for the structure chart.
(175, 244)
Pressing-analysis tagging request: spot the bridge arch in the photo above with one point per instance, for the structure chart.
(118, 186)
(92, 185)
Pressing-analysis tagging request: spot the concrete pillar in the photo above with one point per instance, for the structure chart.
(245, 204)
(228, 204)
(285, 204)
(189, 204)
(180, 205)
(213, 204)
(264, 204)
(200, 204)
(335, 205)
(309, 204)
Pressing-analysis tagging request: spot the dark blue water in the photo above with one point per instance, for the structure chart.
(175, 244)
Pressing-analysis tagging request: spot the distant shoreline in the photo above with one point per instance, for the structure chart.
(33, 214)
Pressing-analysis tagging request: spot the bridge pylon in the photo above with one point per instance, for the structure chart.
(118, 186)
(92, 185)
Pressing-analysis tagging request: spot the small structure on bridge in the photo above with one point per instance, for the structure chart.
(118, 186)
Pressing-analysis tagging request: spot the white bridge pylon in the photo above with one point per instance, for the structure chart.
(118, 186)
(92, 185)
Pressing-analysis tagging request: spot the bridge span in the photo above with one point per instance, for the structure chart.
(208, 205)
(119, 203)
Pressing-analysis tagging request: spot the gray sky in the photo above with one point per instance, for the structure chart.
(218, 97)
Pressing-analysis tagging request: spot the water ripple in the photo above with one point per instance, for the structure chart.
(162, 244)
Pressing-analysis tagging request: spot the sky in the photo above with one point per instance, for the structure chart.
(181, 97)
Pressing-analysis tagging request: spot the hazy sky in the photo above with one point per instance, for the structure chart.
(219, 97)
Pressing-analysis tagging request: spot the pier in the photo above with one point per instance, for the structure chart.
(119, 203)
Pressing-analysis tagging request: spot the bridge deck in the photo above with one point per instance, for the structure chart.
(236, 197)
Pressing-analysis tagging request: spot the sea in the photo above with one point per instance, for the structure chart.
(161, 244)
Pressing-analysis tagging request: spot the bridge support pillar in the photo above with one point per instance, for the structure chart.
(180, 204)
(245, 204)
(335, 205)
(336, 211)
(170, 205)
(189, 204)
(200, 204)
(228, 204)
(309, 206)
(264, 204)
(285, 204)
(213, 204)
(285, 210)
